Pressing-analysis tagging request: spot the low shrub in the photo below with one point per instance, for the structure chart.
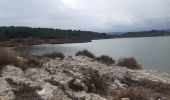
(24, 91)
(7, 58)
(85, 53)
(54, 55)
(131, 93)
(31, 61)
(130, 63)
(154, 85)
(34, 61)
(105, 59)
(74, 86)
(95, 82)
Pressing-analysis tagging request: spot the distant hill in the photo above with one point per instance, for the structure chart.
(12, 32)
(167, 30)
(144, 34)
(113, 33)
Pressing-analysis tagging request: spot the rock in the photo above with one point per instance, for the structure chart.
(6, 92)
(119, 84)
(69, 79)
(37, 74)
(52, 65)
(125, 99)
(22, 60)
(13, 72)
(86, 96)
(77, 85)
(50, 92)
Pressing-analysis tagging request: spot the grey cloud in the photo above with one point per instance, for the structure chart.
(94, 15)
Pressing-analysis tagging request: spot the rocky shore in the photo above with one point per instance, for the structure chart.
(81, 78)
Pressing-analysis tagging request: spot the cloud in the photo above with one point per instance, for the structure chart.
(94, 15)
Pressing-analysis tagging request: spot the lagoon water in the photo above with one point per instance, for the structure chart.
(150, 52)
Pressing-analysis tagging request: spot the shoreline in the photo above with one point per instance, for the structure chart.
(28, 42)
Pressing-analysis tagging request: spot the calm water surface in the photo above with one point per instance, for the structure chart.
(151, 52)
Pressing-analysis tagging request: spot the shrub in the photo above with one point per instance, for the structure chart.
(7, 58)
(131, 93)
(33, 61)
(105, 59)
(24, 91)
(130, 63)
(85, 53)
(54, 55)
(95, 82)
(74, 86)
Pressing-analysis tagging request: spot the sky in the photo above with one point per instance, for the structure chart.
(91, 15)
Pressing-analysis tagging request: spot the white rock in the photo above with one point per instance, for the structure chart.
(125, 99)
(37, 74)
(50, 92)
(6, 90)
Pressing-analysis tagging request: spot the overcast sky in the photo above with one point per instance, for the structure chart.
(93, 15)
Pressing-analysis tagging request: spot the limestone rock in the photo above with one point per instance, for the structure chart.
(13, 72)
(50, 92)
(125, 99)
(87, 96)
(6, 90)
(37, 74)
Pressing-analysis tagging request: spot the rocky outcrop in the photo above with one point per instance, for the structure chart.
(6, 92)
(75, 78)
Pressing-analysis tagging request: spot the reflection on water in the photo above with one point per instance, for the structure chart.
(151, 52)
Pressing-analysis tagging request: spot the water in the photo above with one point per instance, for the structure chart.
(151, 52)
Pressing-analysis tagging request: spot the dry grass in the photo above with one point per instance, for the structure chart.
(31, 61)
(54, 55)
(131, 93)
(130, 63)
(85, 53)
(7, 58)
(105, 59)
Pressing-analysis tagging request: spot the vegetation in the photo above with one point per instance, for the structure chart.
(24, 91)
(144, 34)
(7, 58)
(132, 94)
(105, 59)
(85, 53)
(12, 32)
(130, 63)
(95, 82)
(54, 55)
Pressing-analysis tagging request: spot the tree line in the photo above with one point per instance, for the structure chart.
(12, 32)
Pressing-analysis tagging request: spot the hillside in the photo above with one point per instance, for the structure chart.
(12, 36)
(144, 34)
